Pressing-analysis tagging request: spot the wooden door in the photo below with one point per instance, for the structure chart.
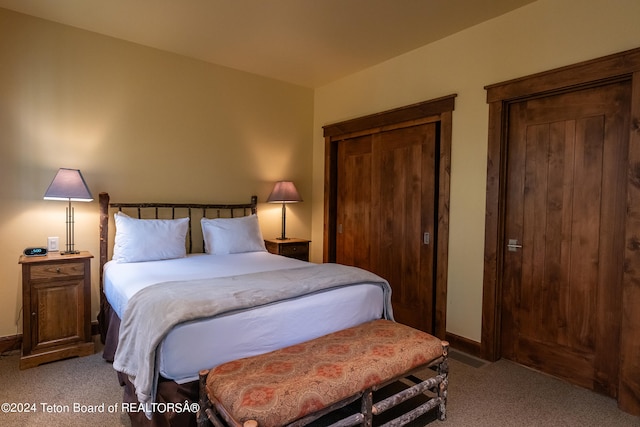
(564, 234)
(353, 238)
(59, 319)
(386, 214)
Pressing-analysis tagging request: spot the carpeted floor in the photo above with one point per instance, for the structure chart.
(57, 386)
(480, 394)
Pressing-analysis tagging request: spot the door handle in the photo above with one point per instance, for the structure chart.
(513, 245)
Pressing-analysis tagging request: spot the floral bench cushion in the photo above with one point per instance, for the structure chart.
(279, 387)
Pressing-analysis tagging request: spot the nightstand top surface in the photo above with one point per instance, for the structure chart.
(288, 240)
(54, 256)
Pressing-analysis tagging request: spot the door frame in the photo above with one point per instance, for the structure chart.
(617, 67)
(438, 110)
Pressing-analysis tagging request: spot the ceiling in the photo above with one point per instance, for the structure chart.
(304, 42)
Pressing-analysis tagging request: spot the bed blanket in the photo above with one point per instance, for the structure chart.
(155, 310)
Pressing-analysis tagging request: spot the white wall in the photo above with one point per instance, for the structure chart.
(543, 35)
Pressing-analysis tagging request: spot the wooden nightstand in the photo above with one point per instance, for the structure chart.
(292, 248)
(56, 301)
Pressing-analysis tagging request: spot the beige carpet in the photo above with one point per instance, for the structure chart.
(82, 381)
(492, 394)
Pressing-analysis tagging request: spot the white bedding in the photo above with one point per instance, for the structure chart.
(241, 334)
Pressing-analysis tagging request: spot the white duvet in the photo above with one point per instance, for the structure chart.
(193, 346)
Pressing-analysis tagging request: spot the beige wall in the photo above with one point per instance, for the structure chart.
(145, 124)
(141, 124)
(541, 36)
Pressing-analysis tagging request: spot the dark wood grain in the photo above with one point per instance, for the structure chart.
(386, 234)
(629, 391)
(57, 308)
(624, 197)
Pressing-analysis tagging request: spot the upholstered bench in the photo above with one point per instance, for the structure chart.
(297, 385)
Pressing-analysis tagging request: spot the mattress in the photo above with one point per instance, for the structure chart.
(193, 346)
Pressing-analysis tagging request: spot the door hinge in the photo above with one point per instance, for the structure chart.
(426, 238)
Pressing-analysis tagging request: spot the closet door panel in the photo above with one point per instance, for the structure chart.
(353, 238)
(386, 211)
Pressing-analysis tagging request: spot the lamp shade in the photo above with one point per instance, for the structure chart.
(68, 184)
(284, 192)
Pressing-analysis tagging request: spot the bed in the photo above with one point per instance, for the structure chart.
(187, 287)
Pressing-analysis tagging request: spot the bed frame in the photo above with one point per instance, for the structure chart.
(194, 244)
(195, 211)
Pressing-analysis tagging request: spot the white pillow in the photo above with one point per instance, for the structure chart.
(149, 239)
(232, 235)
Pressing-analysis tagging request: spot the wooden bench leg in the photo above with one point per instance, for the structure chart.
(443, 369)
(202, 418)
(437, 384)
(366, 409)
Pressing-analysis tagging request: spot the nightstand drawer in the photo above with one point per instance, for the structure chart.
(57, 271)
(294, 249)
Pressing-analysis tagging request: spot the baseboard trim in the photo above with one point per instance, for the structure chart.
(14, 342)
(95, 328)
(10, 343)
(464, 344)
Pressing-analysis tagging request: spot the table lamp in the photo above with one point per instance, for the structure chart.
(284, 192)
(69, 185)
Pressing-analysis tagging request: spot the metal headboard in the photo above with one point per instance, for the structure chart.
(167, 211)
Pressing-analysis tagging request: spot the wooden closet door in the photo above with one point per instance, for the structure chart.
(354, 234)
(386, 213)
(565, 213)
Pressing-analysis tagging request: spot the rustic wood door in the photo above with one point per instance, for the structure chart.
(353, 239)
(386, 214)
(564, 234)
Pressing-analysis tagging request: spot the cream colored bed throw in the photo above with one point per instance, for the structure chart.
(155, 310)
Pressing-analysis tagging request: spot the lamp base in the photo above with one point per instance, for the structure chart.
(69, 252)
(283, 238)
